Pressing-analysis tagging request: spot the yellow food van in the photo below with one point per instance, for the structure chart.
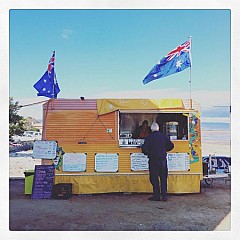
(97, 152)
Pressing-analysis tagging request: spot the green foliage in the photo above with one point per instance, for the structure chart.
(33, 129)
(29, 124)
(16, 122)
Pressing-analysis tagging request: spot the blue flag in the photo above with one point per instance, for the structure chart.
(47, 85)
(175, 61)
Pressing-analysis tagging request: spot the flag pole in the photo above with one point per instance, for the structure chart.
(53, 75)
(190, 73)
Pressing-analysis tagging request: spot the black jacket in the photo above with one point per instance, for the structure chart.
(157, 145)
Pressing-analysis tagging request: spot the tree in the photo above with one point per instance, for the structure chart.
(29, 124)
(16, 122)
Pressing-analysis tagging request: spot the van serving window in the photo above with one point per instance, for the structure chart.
(174, 125)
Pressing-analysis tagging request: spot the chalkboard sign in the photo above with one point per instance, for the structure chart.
(74, 162)
(44, 149)
(178, 162)
(43, 181)
(139, 162)
(106, 162)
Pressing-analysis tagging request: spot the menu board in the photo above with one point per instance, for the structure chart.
(43, 181)
(106, 162)
(44, 149)
(178, 162)
(74, 162)
(139, 162)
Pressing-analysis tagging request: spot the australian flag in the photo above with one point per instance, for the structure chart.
(47, 85)
(175, 61)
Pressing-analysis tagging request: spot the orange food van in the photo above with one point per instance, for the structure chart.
(97, 152)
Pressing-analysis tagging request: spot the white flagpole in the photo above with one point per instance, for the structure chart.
(190, 73)
(53, 74)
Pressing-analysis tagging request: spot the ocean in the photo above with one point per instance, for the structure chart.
(215, 126)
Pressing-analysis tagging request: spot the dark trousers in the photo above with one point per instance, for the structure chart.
(158, 169)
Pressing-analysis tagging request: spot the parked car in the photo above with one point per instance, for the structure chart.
(28, 136)
(17, 146)
(32, 134)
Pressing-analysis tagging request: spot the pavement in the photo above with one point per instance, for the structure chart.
(205, 211)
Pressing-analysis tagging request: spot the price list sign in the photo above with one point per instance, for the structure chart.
(43, 181)
(74, 162)
(106, 162)
(178, 162)
(139, 162)
(44, 149)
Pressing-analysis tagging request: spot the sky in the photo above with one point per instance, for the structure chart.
(106, 53)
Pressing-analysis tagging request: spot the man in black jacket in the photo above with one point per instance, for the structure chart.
(155, 147)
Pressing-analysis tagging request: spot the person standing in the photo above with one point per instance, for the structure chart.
(156, 146)
(142, 131)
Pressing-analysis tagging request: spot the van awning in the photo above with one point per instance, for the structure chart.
(110, 105)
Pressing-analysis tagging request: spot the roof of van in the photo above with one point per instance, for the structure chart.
(110, 105)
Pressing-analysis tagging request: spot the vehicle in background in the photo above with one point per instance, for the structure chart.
(17, 146)
(33, 134)
(28, 136)
(218, 164)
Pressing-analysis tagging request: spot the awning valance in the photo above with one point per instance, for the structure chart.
(110, 105)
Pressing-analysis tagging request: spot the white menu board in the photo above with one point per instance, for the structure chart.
(106, 162)
(74, 162)
(139, 162)
(178, 162)
(44, 149)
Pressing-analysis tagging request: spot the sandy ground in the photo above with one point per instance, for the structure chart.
(20, 162)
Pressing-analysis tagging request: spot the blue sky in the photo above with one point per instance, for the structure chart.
(107, 53)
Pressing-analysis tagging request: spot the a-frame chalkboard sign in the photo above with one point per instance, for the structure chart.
(43, 182)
